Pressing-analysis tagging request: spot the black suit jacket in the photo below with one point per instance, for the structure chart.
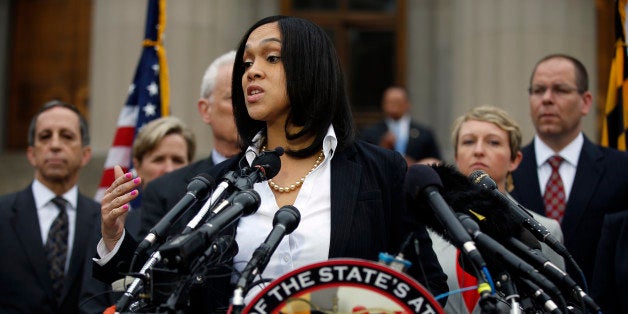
(368, 215)
(600, 186)
(610, 277)
(25, 284)
(421, 141)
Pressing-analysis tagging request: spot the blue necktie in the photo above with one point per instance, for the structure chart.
(400, 141)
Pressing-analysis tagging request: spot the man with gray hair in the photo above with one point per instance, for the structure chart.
(161, 194)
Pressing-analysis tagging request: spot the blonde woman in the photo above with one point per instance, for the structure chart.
(484, 138)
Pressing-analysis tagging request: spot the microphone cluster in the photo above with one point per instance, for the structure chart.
(497, 235)
(203, 242)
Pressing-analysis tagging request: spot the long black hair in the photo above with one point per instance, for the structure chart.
(314, 81)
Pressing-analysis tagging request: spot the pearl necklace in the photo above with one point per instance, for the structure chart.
(299, 182)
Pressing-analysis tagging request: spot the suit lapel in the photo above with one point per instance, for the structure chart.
(345, 183)
(588, 175)
(85, 220)
(25, 224)
(527, 188)
(202, 166)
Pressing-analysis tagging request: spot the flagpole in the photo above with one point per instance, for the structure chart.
(148, 95)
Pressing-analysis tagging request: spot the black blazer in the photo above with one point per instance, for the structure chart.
(368, 214)
(25, 284)
(600, 186)
(421, 140)
(610, 277)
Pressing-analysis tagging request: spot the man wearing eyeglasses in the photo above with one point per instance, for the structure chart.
(563, 175)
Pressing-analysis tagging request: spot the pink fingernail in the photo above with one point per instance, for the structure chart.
(125, 206)
(136, 180)
(133, 192)
(128, 175)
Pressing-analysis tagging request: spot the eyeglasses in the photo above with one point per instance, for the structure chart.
(558, 90)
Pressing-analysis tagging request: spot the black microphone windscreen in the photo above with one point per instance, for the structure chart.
(420, 177)
(484, 207)
(201, 183)
(288, 216)
(270, 162)
(249, 199)
(279, 150)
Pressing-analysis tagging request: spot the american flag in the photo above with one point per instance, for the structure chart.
(147, 96)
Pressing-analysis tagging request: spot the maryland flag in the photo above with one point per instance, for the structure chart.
(147, 96)
(616, 111)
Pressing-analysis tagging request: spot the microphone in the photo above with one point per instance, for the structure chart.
(512, 261)
(467, 198)
(538, 260)
(197, 189)
(286, 219)
(180, 251)
(264, 167)
(540, 296)
(137, 283)
(220, 251)
(481, 178)
(421, 179)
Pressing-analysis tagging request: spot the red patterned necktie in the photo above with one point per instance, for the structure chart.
(555, 191)
(57, 246)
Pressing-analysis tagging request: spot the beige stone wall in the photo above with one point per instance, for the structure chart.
(461, 53)
(467, 53)
(197, 31)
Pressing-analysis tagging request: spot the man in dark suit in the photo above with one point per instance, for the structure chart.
(594, 179)
(610, 277)
(399, 132)
(45, 228)
(160, 195)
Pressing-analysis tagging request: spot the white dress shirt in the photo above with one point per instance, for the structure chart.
(567, 169)
(401, 129)
(48, 211)
(309, 243)
(217, 157)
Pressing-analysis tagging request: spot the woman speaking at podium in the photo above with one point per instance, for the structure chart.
(288, 91)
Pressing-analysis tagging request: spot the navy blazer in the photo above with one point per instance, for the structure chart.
(421, 140)
(610, 277)
(25, 284)
(368, 214)
(600, 186)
